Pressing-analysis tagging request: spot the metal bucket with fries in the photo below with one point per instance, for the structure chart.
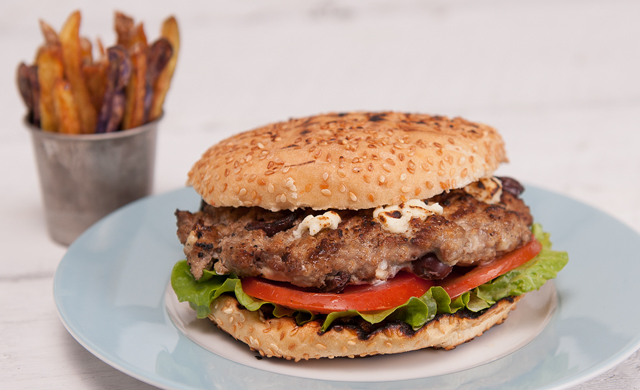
(85, 178)
(94, 120)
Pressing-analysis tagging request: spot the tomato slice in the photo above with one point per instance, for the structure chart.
(387, 295)
(456, 285)
(364, 298)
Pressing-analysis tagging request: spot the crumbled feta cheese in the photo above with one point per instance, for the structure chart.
(395, 218)
(328, 220)
(487, 190)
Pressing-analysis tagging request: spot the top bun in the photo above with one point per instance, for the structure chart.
(356, 160)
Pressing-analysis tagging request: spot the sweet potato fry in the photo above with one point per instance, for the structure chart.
(50, 68)
(113, 104)
(172, 34)
(50, 35)
(72, 59)
(65, 108)
(159, 55)
(135, 91)
(123, 25)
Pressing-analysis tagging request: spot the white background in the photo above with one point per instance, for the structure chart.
(559, 79)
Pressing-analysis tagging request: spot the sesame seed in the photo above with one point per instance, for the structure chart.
(357, 169)
(429, 184)
(248, 158)
(270, 188)
(417, 191)
(294, 195)
(229, 159)
(217, 176)
(461, 160)
(370, 197)
(267, 173)
(260, 145)
(342, 188)
(452, 172)
(226, 172)
(341, 174)
(386, 167)
(370, 167)
(441, 172)
(325, 176)
(471, 159)
(403, 177)
(308, 187)
(405, 189)
(382, 179)
(325, 192)
(353, 196)
(390, 161)
(366, 178)
(242, 192)
(261, 182)
(286, 168)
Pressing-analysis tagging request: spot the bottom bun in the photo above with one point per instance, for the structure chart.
(281, 337)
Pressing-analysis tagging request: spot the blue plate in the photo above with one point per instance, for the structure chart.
(110, 288)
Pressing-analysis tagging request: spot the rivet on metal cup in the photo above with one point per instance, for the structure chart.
(85, 177)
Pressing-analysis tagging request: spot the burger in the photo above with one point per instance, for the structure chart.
(356, 234)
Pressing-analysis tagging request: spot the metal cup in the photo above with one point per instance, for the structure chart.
(85, 177)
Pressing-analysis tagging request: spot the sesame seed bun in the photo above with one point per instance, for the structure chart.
(281, 337)
(346, 161)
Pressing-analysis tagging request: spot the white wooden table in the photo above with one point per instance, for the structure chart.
(559, 79)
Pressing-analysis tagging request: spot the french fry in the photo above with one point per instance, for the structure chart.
(24, 86)
(50, 68)
(123, 25)
(159, 55)
(86, 51)
(113, 104)
(65, 108)
(172, 34)
(96, 77)
(135, 91)
(50, 35)
(72, 59)
(138, 36)
(101, 50)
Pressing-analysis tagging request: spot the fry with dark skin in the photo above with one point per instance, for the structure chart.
(135, 91)
(28, 93)
(123, 25)
(160, 54)
(161, 87)
(118, 75)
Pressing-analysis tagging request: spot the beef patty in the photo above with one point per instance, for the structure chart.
(251, 241)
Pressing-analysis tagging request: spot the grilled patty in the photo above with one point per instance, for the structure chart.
(251, 241)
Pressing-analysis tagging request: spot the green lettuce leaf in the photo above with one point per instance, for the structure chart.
(416, 312)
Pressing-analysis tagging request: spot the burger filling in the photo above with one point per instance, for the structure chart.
(327, 251)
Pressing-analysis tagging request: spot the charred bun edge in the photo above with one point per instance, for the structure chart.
(281, 337)
(352, 161)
